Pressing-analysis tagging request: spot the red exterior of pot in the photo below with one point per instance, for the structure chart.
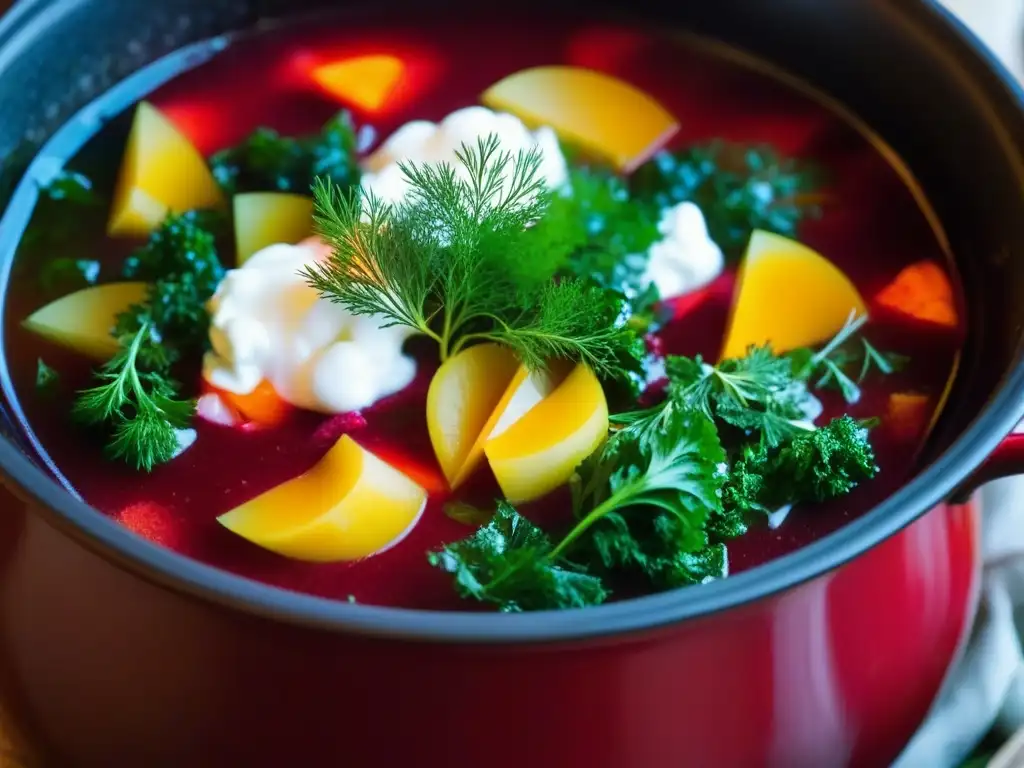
(105, 669)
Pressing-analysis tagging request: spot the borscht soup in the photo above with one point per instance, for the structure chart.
(378, 313)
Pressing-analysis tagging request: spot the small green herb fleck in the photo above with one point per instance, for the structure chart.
(467, 514)
(46, 377)
(72, 187)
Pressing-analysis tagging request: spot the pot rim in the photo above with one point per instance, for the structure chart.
(114, 543)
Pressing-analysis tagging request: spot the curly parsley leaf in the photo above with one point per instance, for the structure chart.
(180, 245)
(456, 261)
(646, 547)
(137, 409)
(181, 265)
(668, 468)
(640, 502)
(655, 504)
(739, 188)
(508, 563)
(818, 466)
(758, 394)
(267, 161)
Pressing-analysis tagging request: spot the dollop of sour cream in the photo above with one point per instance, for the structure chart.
(266, 322)
(422, 142)
(685, 258)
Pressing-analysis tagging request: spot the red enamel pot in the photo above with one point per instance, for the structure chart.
(116, 652)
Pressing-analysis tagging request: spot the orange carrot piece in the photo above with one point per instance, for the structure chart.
(263, 405)
(363, 81)
(922, 291)
(907, 414)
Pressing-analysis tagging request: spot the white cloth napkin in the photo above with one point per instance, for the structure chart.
(986, 688)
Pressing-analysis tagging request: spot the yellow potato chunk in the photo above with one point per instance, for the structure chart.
(541, 450)
(266, 218)
(363, 81)
(349, 506)
(161, 173)
(82, 321)
(789, 295)
(602, 114)
(466, 390)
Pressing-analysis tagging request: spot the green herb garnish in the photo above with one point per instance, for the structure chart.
(758, 394)
(267, 161)
(72, 187)
(654, 505)
(458, 262)
(640, 502)
(137, 408)
(820, 465)
(181, 265)
(509, 563)
(46, 377)
(739, 189)
(845, 362)
(135, 401)
(605, 238)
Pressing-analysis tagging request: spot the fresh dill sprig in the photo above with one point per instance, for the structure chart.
(137, 407)
(845, 361)
(457, 261)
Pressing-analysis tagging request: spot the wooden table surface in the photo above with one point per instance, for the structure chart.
(998, 22)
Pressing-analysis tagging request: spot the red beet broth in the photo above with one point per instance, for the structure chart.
(871, 228)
